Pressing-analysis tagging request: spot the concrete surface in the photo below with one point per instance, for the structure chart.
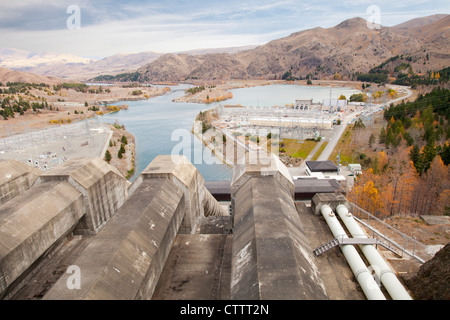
(103, 187)
(32, 223)
(432, 220)
(271, 256)
(198, 268)
(179, 170)
(15, 178)
(126, 258)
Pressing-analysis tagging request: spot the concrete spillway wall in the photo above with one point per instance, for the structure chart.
(15, 178)
(271, 255)
(81, 194)
(103, 187)
(31, 223)
(126, 258)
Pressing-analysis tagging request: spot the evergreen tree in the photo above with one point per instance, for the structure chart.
(390, 138)
(415, 158)
(427, 156)
(382, 137)
(445, 154)
(107, 156)
(371, 140)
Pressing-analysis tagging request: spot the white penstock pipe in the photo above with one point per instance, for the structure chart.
(381, 268)
(361, 272)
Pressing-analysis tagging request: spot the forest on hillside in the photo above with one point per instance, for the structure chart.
(410, 176)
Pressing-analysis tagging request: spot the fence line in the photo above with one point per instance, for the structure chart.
(403, 243)
(53, 134)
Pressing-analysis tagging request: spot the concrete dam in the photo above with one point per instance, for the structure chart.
(82, 231)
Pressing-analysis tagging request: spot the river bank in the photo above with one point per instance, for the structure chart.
(67, 106)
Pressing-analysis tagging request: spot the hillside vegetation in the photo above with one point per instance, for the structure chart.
(410, 174)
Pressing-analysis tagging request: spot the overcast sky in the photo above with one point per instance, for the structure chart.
(107, 27)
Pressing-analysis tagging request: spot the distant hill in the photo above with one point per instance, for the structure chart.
(231, 50)
(22, 59)
(75, 68)
(419, 22)
(8, 75)
(72, 67)
(345, 49)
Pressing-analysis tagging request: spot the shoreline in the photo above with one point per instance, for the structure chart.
(222, 91)
(73, 112)
(69, 106)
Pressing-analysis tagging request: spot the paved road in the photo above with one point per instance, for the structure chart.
(326, 153)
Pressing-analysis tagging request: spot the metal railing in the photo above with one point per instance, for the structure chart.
(396, 241)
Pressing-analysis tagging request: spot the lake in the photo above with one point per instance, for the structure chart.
(282, 94)
(154, 121)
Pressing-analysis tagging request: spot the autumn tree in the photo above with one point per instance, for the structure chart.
(388, 188)
(401, 182)
(431, 198)
(365, 193)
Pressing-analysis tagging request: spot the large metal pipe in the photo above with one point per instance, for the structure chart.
(361, 272)
(381, 268)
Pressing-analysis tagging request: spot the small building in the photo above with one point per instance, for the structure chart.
(306, 189)
(324, 167)
(355, 168)
(304, 105)
(334, 105)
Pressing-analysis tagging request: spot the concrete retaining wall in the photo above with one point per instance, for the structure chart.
(331, 199)
(81, 193)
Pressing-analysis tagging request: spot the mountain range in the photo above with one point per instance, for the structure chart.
(73, 67)
(349, 47)
(345, 49)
